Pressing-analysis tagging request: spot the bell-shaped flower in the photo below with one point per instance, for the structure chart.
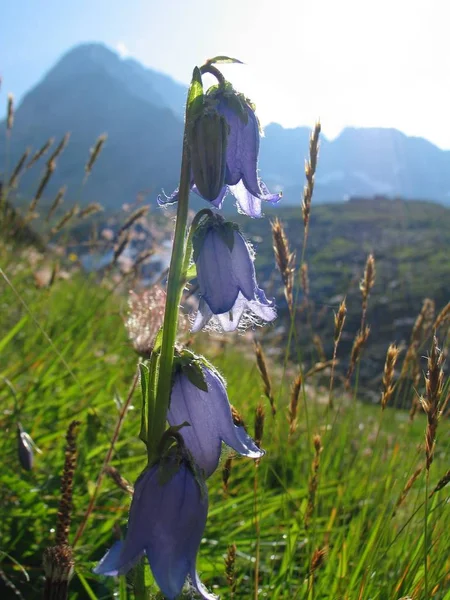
(208, 413)
(24, 449)
(229, 293)
(166, 523)
(242, 150)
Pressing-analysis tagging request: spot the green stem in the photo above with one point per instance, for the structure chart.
(425, 536)
(174, 290)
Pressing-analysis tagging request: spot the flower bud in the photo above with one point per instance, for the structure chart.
(24, 449)
(208, 146)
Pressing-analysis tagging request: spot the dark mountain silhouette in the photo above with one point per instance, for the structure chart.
(91, 90)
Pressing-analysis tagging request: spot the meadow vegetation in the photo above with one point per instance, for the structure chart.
(349, 501)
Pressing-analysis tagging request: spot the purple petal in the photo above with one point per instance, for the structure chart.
(110, 563)
(202, 438)
(217, 283)
(229, 321)
(262, 307)
(249, 154)
(164, 200)
(211, 422)
(167, 522)
(246, 202)
(198, 585)
(178, 530)
(243, 268)
(248, 446)
(267, 196)
(220, 198)
(204, 314)
(233, 174)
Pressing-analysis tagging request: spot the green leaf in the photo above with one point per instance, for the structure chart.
(191, 273)
(223, 60)
(194, 373)
(197, 242)
(238, 105)
(158, 341)
(87, 588)
(226, 232)
(144, 371)
(195, 96)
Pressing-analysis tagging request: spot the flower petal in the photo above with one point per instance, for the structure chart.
(220, 198)
(164, 200)
(246, 202)
(243, 268)
(198, 585)
(202, 438)
(217, 283)
(167, 522)
(262, 307)
(249, 154)
(179, 522)
(110, 563)
(210, 418)
(204, 314)
(229, 321)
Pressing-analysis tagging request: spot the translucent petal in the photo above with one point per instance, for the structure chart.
(198, 585)
(204, 314)
(246, 202)
(110, 563)
(262, 307)
(211, 422)
(230, 321)
(218, 286)
(179, 522)
(202, 438)
(164, 200)
(243, 268)
(249, 154)
(167, 522)
(220, 198)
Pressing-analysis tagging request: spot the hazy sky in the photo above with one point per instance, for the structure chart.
(349, 62)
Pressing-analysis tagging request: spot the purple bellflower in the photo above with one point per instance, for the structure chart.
(24, 449)
(229, 294)
(166, 522)
(242, 149)
(210, 419)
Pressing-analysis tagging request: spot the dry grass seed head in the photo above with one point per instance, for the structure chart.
(10, 113)
(265, 377)
(95, 153)
(293, 404)
(40, 153)
(388, 374)
(339, 320)
(18, 169)
(284, 258)
(434, 383)
(260, 416)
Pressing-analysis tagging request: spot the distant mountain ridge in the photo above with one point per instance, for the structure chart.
(91, 90)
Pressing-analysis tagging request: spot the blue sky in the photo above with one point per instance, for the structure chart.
(349, 62)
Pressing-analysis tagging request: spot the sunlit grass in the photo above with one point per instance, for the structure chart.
(85, 373)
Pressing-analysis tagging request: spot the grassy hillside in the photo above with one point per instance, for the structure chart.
(411, 244)
(306, 523)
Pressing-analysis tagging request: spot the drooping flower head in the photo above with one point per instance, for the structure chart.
(229, 293)
(166, 523)
(241, 146)
(24, 449)
(199, 398)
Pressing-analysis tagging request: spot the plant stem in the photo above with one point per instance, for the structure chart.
(174, 290)
(425, 536)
